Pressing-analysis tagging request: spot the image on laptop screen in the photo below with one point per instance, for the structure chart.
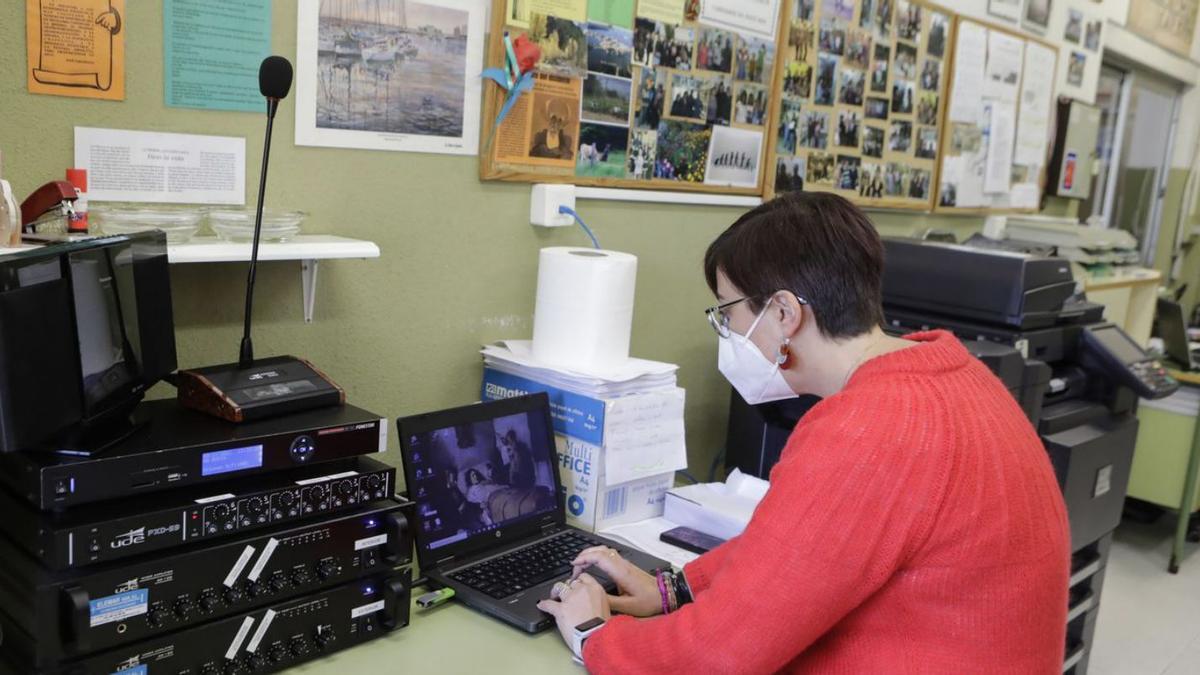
(480, 476)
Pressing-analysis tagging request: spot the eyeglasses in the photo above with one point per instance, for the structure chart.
(718, 318)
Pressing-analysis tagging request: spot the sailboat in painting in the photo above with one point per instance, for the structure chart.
(394, 66)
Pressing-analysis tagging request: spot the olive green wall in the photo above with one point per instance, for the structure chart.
(459, 258)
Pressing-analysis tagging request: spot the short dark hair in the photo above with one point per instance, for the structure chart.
(814, 244)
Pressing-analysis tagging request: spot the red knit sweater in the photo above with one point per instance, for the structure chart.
(913, 525)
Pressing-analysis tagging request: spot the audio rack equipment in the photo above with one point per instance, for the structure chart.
(266, 640)
(179, 448)
(84, 611)
(106, 532)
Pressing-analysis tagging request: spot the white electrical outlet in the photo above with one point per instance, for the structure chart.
(544, 206)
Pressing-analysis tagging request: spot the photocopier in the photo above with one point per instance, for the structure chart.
(1077, 377)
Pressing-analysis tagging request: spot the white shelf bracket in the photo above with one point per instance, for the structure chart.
(308, 277)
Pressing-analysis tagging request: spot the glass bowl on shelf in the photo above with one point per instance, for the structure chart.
(237, 225)
(180, 225)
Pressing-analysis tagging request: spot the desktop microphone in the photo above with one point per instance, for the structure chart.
(249, 389)
(274, 82)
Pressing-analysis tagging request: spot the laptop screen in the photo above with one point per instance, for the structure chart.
(474, 476)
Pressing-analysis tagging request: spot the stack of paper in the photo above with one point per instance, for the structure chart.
(634, 376)
(719, 509)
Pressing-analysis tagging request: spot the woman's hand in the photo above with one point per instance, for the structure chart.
(575, 602)
(639, 590)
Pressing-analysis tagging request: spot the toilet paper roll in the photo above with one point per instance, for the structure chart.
(584, 313)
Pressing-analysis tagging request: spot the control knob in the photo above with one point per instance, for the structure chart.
(326, 569)
(286, 499)
(298, 646)
(344, 489)
(155, 617)
(232, 668)
(255, 506)
(183, 607)
(324, 637)
(210, 669)
(300, 576)
(253, 588)
(374, 482)
(277, 582)
(232, 595)
(255, 661)
(208, 600)
(315, 495)
(221, 512)
(276, 653)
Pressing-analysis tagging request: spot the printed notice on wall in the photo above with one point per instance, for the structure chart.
(212, 51)
(143, 166)
(76, 48)
(747, 16)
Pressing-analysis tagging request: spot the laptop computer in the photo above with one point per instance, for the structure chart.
(1172, 328)
(491, 515)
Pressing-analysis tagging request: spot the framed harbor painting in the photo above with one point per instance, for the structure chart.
(390, 74)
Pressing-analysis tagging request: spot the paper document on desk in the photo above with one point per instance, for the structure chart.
(643, 535)
(644, 436)
(719, 509)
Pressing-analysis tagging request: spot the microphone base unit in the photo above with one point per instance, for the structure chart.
(268, 388)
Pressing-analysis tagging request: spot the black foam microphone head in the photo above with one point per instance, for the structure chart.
(275, 77)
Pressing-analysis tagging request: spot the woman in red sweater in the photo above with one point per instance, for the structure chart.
(913, 523)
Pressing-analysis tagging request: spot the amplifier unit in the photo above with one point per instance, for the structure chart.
(175, 448)
(79, 612)
(267, 640)
(111, 531)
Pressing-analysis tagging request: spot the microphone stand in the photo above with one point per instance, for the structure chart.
(246, 357)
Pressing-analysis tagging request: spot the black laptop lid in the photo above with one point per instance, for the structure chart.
(481, 476)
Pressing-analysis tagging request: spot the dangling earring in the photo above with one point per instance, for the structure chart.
(784, 358)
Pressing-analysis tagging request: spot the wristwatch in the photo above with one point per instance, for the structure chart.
(582, 632)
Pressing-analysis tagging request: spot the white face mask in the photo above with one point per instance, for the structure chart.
(755, 377)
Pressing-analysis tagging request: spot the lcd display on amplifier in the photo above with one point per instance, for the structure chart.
(79, 612)
(106, 532)
(176, 448)
(270, 639)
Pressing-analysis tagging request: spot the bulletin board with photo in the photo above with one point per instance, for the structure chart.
(999, 121)
(662, 94)
(861, 92)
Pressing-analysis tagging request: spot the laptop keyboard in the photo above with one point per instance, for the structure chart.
(524, 568)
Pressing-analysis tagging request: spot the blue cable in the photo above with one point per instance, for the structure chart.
(568, 211)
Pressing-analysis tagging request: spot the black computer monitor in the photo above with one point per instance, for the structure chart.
(85, 328)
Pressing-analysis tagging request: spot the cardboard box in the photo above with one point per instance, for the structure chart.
(617, 457)
(593, 504)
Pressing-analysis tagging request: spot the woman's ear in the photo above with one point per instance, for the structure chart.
(789, 312)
